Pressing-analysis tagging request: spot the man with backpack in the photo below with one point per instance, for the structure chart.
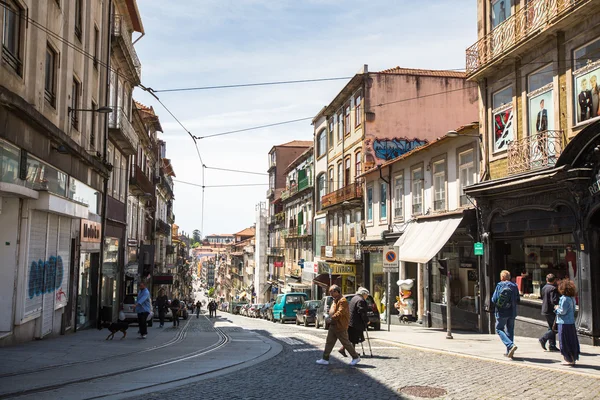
(505, 300)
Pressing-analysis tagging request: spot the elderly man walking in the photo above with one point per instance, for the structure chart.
(339, 316)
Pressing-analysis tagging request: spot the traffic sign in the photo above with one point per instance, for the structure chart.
(478, 248)
(390, 258)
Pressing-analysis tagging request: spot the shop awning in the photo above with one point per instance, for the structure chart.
(421, 241)
(163, 279)
(301, 286)
(323, 280)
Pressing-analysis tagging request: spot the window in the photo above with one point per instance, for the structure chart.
(321, 143)
(357, 111)
(76, 90)
(500, 11)
(398, 196)
(50, 78)
(330, 131)
(502, 119)
(439, 185)
(12, 45)
(94, 126)
(116, 175)
(586, 70)
(358, 164)
(331, 186)
(321, 190)
(110, 151)
(123, 173)
(347, 119)
(466, 174)
(370, 204)
(78, 18)
(347, 171)
(541, 108)
(96, 46)
(417, 190)
(383, 190)
(340, 175)
(340, 127)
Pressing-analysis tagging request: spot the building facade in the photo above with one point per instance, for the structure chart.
(537, 71)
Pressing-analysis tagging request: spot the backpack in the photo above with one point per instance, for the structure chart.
(504, 301)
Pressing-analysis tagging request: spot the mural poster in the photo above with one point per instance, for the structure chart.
(541, 119)
(587, 92)
(503, 128)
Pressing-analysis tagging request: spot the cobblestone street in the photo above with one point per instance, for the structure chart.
(294, 374)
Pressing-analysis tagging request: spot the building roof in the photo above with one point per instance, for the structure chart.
(221, 234)
(148, 114)
(463, 128)
(424, 72)
(297, 143)
(247, 232)
(135, 15)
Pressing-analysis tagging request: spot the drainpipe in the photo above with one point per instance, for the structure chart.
(105, 161)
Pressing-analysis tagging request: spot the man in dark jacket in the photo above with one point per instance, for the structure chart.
(505, 299)
(162, 304)
(549, 300)
(359, 320)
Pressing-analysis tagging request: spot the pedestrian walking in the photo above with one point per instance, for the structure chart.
(212, 308)
(176, 306)
(198, 307)
(505, 300)
(549, 300)
(565, 319)
(143, 308)
(359, 319)
(162, 305)
(338, 320)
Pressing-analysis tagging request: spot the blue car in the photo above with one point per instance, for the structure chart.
(286, 305)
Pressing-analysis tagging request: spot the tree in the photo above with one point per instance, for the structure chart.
(197, 236)
(211, 291)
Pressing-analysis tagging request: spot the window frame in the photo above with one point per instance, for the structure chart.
(321, 191)
(347, 171)
(340, 126)
(496, 109)
(13, 58)
(383, 201)
(347, 118)
(576, 72)
(78, 25)
(340, 174)
(321, 149)
(459, 167)
(75, 101)
(369, 206)
(413, 169)
(331, 180)
(398, 177)
(443, 161)
(330, 133)
(50, 93)
(357, 110)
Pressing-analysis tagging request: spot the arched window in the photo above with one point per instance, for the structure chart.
(321, 143)
(358, 164)
(321, 190)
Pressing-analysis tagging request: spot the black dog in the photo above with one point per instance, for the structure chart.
(119, 326)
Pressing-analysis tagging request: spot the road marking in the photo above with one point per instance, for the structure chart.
(288, 340)
(304, 350)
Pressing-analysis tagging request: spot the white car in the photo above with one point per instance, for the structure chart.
(129, 309)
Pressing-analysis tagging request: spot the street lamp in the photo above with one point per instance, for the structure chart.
(101, 110)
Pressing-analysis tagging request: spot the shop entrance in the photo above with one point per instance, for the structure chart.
(87, 300)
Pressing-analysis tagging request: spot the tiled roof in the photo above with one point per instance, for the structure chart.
(298, 159)
(297, 143)
(247, 232)
(424, 72)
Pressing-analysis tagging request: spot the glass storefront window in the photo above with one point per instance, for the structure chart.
(110, 270)
(9, 156)
(84, 294)
(320, 235)
(82, 193)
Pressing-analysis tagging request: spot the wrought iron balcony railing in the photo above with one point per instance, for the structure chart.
(276, 251)
(535, 151)
(122, 131)
(535, 17)
(347, 193)
(124, 37)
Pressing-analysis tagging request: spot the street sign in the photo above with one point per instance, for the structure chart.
(390, 259)
(478, 248)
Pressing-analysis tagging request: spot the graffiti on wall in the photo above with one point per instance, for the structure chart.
(46, 277)
(388, 149)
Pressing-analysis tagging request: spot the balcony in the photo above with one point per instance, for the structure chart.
(275, 251)
(535, 151)
(301, 231)
(295, 188)
(532, 19)
(163, 228)
(122, 41)
(270, 192)
(348, 193)
(349, 252)
(139, 183)
(121, 130)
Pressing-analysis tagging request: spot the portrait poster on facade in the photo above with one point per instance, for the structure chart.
(541, 120)
(500, 11)
(587, 92)
(503, 127)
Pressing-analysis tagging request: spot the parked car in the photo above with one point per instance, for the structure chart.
(255, 310)
(286, 305)
(372, 311)
(129, 309)
(322, 312)
(264, 311)
(168, 313)
(307, 313)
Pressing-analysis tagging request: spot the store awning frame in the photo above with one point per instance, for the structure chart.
(323, 280)
(421, 241)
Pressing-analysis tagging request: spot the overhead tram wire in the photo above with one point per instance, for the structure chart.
(220, 186)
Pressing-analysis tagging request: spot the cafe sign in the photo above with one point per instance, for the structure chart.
(90, 231)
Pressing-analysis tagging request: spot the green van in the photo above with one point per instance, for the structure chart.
(286, 305)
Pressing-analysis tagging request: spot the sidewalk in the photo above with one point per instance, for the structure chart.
(489, 347)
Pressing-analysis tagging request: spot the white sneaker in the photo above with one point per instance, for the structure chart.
(355, 361)
(143, 336)
(322, 362)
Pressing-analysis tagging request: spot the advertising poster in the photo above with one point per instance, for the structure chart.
(503, 128)
(587, 92)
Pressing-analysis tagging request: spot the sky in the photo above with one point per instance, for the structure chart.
(195, 43)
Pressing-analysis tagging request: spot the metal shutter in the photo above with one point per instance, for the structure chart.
(50, 267)
(63, 262)
(35, 262)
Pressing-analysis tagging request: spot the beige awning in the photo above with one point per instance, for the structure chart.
(421, 241)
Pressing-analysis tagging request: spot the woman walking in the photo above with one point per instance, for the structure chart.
(565, 318)
(359, 319)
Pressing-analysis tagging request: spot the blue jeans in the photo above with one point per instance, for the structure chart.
(505, 328)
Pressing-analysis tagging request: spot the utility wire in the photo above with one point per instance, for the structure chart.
(236, 170)
(219, 186)
(255, 127)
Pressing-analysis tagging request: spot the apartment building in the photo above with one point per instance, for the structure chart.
(537, 68)
(376, 117)
(416, 202)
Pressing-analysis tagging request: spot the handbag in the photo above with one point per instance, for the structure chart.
(554, 326)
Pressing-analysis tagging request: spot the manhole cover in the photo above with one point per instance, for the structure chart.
(425, 392)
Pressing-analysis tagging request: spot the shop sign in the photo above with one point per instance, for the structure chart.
(90, 231)
(278, 264)
(478, 248)
(337, 269)
(390, 259)
(132, 242)
(594, 188)
(328, 251)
